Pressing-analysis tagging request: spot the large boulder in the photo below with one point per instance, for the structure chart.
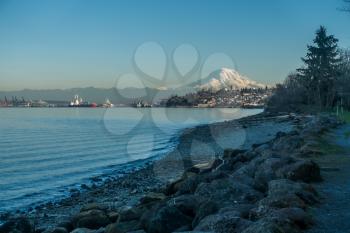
(296, 217)
(205, 209)
(128, 213)
(278, 167)
(60, 230)
(66, 225)
(164, 219)
(244, 210)
(123, 227)
(187, 204)
(232, 153)
(93, 206)
(284, 186)
(92, 219)
(152, 197)
(267, 170)
(289, 143)
(234, 160)
(288, 196)
(226, 191)
(227, 222)
(282, 220)
(303, 170)
(243, 178)
(263, 226)
(190, 184)
(82, 230)
(282, 201)
(18, 225)
(113, 216)
(184, 185)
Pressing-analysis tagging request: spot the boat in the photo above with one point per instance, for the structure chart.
(141, 104)
(107, 104)
(78, 102)
(39, 104)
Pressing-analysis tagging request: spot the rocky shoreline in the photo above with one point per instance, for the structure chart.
(203, 186)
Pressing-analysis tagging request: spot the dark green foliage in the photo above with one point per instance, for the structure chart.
(322, 68)
(318, 82)
(343, 82)
(177, 101)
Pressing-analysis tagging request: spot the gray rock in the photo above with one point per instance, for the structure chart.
(60, 230)
(83, 230)
(228, 222)
(193, 232)
(284, 186)
(128, 213)
(184, 228)
(93, 206)
(92, 219)
(151, 197)
(205, 209)
(187, 204)
(67, 225)
(285, 201)
(164, 219)
(306, 171)
(297, 217)
(123, 227)
(243, 209)
(282, 220)
(232, 153)
(173, 187)
(21, 224)
(189, 185)
(263, 226)
(226, 191)
(113, 216)
(288, 143)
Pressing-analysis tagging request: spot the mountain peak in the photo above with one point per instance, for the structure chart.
(227, 78)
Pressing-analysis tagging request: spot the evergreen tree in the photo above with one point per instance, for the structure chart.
(321, 68)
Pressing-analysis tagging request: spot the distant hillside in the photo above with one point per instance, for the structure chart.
(218, 80)
(92, 94)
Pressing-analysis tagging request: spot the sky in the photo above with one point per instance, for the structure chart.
(58, 44)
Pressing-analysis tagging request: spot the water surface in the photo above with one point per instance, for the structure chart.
(44, 152)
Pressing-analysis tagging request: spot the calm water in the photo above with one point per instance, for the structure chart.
(43, 152)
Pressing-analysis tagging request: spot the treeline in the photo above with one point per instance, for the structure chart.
(177, 101)
(323, 81)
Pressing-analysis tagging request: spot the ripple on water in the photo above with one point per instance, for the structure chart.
(43, 152)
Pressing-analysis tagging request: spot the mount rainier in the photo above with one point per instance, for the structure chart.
(227, 78)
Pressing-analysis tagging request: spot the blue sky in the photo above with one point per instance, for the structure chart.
(77, 43)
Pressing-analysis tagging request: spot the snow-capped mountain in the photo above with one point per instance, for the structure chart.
(227, 78)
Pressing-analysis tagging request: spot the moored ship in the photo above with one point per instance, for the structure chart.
(108, 104)
(78, 102)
